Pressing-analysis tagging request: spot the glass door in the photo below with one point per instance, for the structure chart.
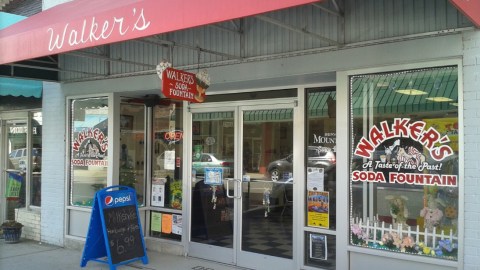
(242, 186)
(212, 193)
(266, 215)
(15, 155)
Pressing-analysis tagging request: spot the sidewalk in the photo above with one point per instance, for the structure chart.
(33, 255)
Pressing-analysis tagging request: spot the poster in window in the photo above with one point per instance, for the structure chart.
(318, 209)
(156, 223)
(177, 224)
(158, 192)
(167, 223)
(318, 246)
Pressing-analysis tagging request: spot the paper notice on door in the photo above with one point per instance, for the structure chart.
(169, 160)
(318, 246)
(158, 192)
(315, 178)
(177, 224)
(166, 223)
(156, 224)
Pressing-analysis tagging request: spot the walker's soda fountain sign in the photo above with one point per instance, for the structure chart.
(89, 148)
(404, 164)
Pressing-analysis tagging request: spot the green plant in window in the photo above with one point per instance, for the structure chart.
(176, 194)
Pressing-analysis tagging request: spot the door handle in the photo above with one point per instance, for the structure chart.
(238, 184)
(239, 188)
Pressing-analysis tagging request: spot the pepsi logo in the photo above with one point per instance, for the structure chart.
(108, 200)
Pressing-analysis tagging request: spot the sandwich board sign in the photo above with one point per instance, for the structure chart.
(115, 234)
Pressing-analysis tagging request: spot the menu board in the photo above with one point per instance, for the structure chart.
(114, 231)
(123, 233)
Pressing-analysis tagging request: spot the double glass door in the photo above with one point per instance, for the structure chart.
(242, 185)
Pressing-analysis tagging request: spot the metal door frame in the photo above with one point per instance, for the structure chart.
(235, 255)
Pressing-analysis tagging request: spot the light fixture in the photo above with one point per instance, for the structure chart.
(439, 99)
(411, 92)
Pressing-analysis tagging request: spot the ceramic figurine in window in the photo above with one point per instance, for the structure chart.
(431, 213)
(398, 209)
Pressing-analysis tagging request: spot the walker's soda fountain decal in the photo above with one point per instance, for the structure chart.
(89, 148)
(395, 158)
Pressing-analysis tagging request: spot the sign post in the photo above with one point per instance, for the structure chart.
(115, 231)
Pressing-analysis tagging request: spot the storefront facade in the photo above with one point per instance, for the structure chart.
(340, 157)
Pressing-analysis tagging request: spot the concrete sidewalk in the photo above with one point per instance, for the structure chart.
(28, 254)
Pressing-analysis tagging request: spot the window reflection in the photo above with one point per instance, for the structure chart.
(132, 148)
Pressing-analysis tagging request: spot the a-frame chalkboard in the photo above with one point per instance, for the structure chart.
(115, 234)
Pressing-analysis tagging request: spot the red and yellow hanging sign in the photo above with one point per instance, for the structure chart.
(182, 85)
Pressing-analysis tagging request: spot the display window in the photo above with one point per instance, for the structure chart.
(167, 181)
(89, 149)
(404, 176)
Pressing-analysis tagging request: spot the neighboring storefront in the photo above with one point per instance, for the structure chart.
(20, 148)
(332, 158)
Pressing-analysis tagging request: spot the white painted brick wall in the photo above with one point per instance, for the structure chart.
(31, 223)
(53, 165)
(471, 87)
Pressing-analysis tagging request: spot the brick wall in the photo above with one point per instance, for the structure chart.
(53, 165)
(31, 223)
(471, 86)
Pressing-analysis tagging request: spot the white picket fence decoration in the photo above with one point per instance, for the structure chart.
(430, 239)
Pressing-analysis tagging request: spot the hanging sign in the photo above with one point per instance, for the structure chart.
(115, 231)
(179, 84)
(182, 85)
(14, 185)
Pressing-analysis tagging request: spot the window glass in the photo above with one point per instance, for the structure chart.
(132, 148)
(89, 149)
(167, 179)
(23, 175)
(16, 166)
(404, 162)
(321, 177)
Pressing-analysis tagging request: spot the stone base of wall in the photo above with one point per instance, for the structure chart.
(31, 223)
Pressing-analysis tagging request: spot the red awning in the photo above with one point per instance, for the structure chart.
(87, 23)
(470, 8)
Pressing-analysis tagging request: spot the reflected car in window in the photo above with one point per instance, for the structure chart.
(18, 159)
(318, 156)
(208, 160)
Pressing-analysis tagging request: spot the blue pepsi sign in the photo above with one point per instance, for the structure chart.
(115, 231)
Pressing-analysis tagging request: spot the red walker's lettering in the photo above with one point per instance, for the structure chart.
(90, 133)
(402, 127)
